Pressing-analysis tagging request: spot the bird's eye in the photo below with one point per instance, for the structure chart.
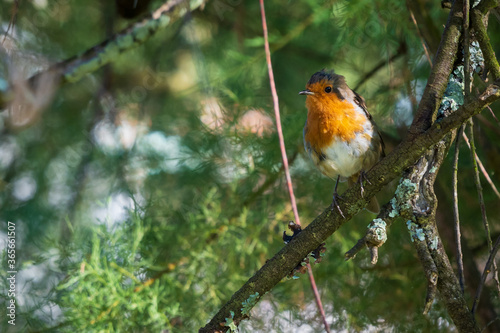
(328, 89)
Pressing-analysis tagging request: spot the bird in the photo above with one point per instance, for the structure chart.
(340, 135)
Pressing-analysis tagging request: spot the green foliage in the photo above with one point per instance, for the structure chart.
(148, 192)
(105, 291)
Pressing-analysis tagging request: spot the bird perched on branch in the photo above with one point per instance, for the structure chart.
(340, 135)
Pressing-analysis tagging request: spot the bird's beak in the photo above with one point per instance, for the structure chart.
(306, 92)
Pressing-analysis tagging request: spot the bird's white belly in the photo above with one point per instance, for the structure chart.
(345, 158)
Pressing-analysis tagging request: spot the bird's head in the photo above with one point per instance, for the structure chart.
(325, 87)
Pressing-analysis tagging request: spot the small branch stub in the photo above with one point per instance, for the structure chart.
(317, 254)
(432, 280)
(375, 237)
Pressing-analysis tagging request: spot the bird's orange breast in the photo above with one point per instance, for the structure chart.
(329, 119)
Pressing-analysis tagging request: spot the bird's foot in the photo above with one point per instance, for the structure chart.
(361, 178)
(335, 203)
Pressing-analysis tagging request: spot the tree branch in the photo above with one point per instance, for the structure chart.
(404, 155)
(484, 41)
(427, 28)
(480, 196)
(421, 215)
(402, 49)
(481, 167)
(427, 55)
(486, 271)
(438, 79)
(456, 215)
(376, 234)
(75, 68)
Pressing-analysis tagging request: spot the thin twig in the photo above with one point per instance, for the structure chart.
(277, 114)
(284, 157)
(489, 124)
(317, 297)
(271, 180)
(483, 169)
(477, 180)
(488, 325)
(12, 21)
(486, 271)
(493, 115)
(401, 50)
(456, 217)
(427, 55)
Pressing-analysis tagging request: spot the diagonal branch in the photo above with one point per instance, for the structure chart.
(404, 155)
(402, 50)
(75, 68)
(486, 271)
(482, 168)
(426, 51)
(12, 22)
(438, 79)
(375, 235)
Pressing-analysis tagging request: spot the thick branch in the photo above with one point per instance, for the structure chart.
(438, 79)
(430, 270)
(450, 291)
(484, 42)
(425, 237)
(328, 222)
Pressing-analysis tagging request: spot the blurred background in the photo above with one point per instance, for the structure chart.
(147, 193)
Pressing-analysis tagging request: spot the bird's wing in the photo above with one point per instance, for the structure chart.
(360, 101)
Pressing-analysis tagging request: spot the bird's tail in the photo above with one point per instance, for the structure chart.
(373, 206)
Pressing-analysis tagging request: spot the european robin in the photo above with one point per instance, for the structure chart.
(340, 135)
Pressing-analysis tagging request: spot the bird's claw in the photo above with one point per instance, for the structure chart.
(335, 204)
(362, 176)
